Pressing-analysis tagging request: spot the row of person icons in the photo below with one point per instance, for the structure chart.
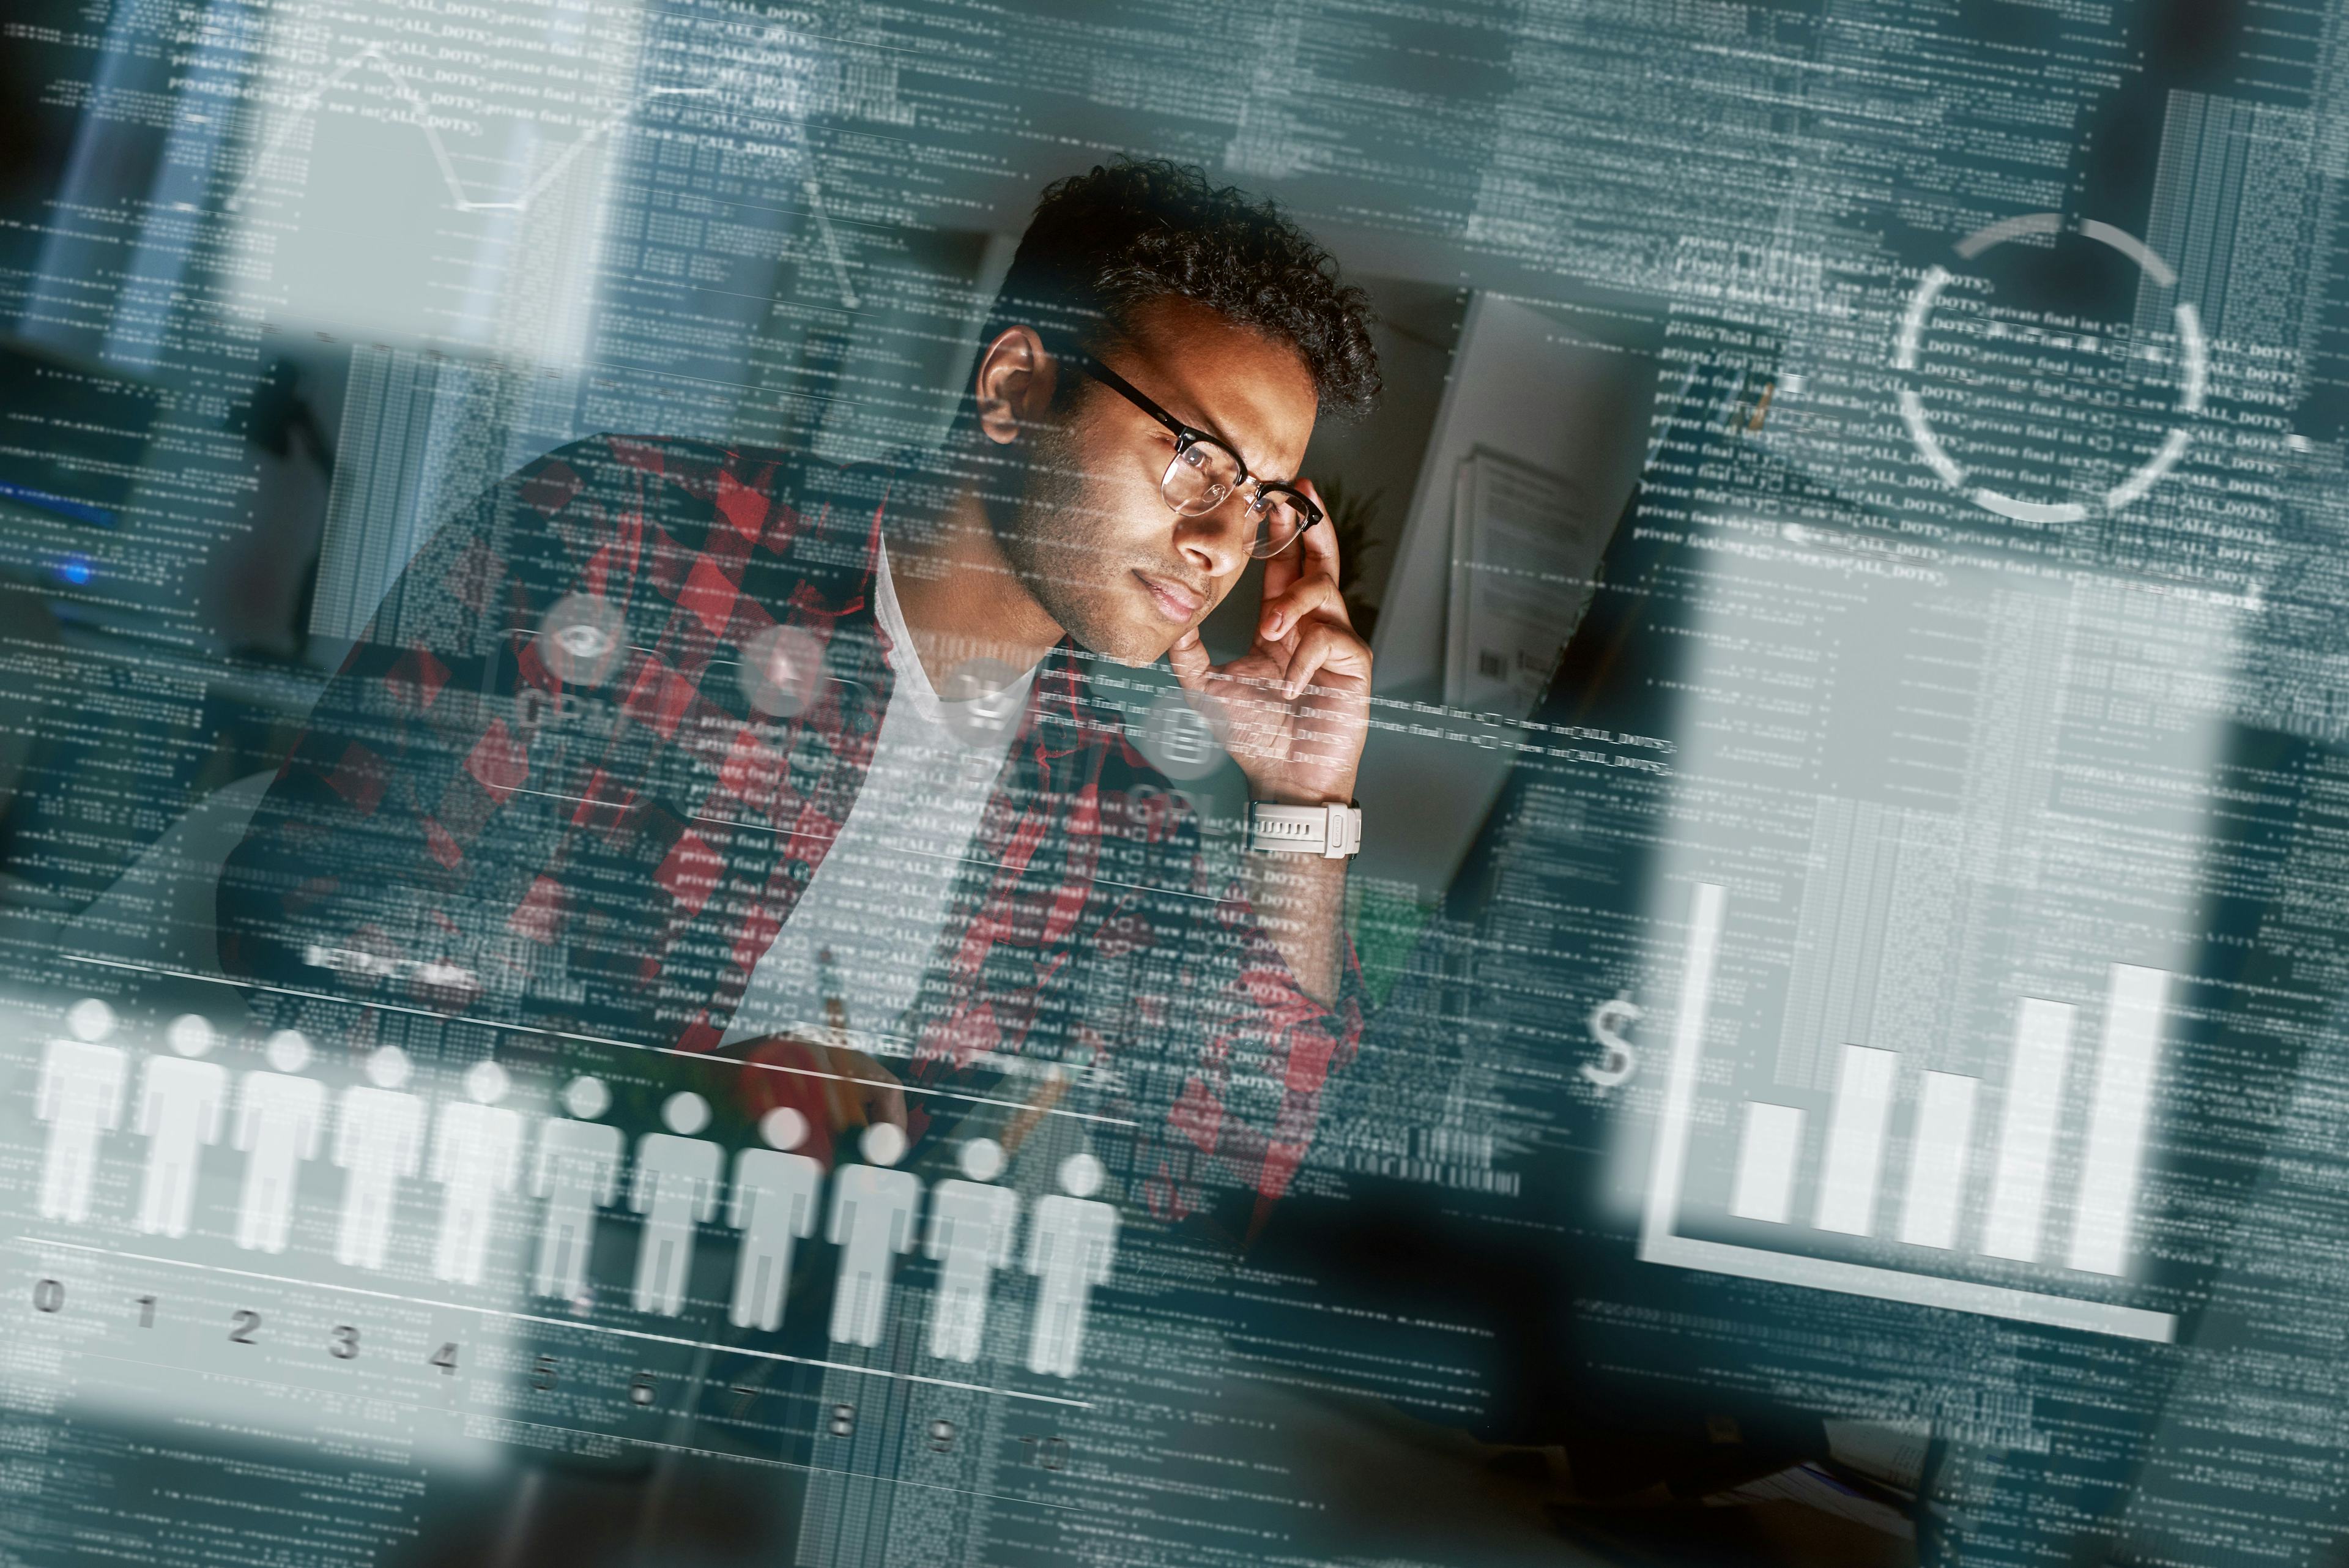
(476, 1150)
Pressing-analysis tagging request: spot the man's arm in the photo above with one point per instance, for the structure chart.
(1300, 901)
(1294, 712)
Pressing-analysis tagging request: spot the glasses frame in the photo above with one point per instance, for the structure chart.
(1188, 436)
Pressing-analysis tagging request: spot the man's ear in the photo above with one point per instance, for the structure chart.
(1014, 385)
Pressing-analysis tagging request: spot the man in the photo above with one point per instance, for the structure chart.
(686, 748)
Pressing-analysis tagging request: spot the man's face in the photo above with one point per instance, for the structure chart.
(1093, 537)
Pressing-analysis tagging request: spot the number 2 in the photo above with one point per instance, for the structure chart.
(246, 1322)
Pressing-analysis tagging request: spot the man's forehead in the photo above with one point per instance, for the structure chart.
(1229, 381)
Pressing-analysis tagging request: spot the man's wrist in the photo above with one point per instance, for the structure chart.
(1330, 831)
(1281, 794)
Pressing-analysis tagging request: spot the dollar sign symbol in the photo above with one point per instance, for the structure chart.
(1619, 1061)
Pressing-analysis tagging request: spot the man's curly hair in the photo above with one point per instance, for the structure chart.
(1109, 240)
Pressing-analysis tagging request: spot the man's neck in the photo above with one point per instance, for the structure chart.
(960, 596)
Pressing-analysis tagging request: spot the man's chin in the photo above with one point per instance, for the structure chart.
(1135, 646)
(1136, 652)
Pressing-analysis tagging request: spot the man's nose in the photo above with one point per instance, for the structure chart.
(1216, 541)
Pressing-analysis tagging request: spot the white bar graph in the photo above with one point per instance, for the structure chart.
(1854, 1156)
(2126, 1060)
(1766, 1159)
(2027, 1131)
(1940, 1149)
(1942, 1134)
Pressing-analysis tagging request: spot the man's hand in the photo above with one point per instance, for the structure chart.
(1294, 710)
(840, 1092)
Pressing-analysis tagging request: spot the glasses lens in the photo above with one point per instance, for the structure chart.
(1201, 476)
(1279, 521)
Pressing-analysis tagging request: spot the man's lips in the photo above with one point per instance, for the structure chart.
(1176, 602)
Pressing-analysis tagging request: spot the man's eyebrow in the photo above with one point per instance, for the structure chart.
(1254, 473)
(1198, 422)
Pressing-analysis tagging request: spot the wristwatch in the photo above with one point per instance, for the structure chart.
(1332, 832)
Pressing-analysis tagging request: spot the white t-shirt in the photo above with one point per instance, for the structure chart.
(879, 900)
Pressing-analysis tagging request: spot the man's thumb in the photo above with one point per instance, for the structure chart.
(1188, 659)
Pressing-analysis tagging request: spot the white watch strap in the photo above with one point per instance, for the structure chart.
(1332, 832)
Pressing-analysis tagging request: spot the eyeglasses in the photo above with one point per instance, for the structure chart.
(1204, 472)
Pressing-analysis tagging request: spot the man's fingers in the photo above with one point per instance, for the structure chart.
(1317, 547)
(872, 1088)
(1323, 645)
(886, 1102)
(1188, 659)
(1310, 595)
(1280, 573)
(841, 1103)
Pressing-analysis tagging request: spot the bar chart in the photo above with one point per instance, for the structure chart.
(1982, 1173)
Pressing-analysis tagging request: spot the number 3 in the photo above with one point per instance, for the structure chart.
(346, 1342)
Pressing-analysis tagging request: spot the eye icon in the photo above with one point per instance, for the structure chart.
(580, 639)
(584, 641)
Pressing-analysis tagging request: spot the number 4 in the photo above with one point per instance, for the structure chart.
(445, 1358)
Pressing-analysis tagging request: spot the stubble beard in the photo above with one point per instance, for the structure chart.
(1050, 534)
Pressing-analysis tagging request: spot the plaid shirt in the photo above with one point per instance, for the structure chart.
(462, 827)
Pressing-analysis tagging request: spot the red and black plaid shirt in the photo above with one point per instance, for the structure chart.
(460, 827)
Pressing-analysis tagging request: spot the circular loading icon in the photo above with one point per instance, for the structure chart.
(2189, 402)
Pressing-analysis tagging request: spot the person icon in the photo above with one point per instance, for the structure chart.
(675, 1189)
(971, 1226)
(476, 1156)
(378, 1141)
(871, 1222)
(577, 1171)
(279, 1118)
(80, 1096)
(773, 1205)
(1071, 1245)
(183, 1101)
